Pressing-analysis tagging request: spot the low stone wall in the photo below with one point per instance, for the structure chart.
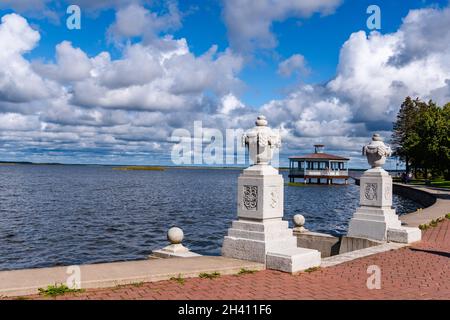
(329, 245)
(349, 244)
(325, 243)
(422, 197)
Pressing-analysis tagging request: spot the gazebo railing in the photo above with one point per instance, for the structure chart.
(319, 172)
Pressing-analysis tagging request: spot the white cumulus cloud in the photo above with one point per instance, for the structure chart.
(18, 82)
(295, 64)
(105, 109)
(370, 84)
(249, 22)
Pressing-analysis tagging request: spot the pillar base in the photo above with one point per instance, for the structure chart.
(173, 251)
(293, 259)
(373, 223)
(260, 234)
(270, 242)
(404, 235)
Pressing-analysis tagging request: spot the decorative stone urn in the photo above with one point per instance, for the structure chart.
(376, 151)
(375, 219)
(260, 234)
(261, 141)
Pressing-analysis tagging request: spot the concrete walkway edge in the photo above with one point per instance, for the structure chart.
(104, 275)
(438, 210)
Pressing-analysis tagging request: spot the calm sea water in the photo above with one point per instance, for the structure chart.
(64, 215)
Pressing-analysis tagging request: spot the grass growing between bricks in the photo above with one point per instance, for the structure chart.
(179, 279)
(57, 290)
(138, 284)
(312, 269)
(132, 284)
(244, 271)
(205, 275)
(433, 223)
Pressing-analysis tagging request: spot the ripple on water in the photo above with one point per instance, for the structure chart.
(63, 215)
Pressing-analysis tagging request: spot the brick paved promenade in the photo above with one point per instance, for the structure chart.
(418, 272)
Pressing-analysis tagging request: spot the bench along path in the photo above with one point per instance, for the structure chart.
(421, 271)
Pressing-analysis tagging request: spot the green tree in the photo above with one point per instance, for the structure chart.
(424, 145)
(403, 129)
(444, 153)
(421, 137)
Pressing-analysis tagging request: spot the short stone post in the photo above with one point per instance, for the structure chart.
(375, 219)
(176, 249)
(260, 234)
(299, 222)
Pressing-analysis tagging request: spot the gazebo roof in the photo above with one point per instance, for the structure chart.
(319, 156)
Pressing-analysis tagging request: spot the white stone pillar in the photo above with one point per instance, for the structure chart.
(375, 214)
(375, 219)
(260, 234)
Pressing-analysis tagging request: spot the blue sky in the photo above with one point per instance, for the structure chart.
(318, 38)
(240, 79)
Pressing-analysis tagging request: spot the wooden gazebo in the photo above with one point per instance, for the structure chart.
(318, 165)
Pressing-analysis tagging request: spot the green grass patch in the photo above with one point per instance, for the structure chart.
(132, 284)
(244, 271)
(137, 284)
(297, 184)
(57, 290)
(139, 168)
(312, 269)
(423, 227)
(205, 275)
(179, 279)
(441, 184)
(433, 223)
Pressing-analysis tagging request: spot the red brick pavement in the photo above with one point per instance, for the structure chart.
(418, 272)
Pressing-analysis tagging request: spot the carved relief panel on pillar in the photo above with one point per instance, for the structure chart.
(370, 191)
(376, 191)
(250, 198)
(388, 192)
(274, 198)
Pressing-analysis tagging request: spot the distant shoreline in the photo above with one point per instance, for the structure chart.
(145, 167)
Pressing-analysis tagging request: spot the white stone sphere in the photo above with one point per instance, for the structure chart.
(299, 220)
(175, 235)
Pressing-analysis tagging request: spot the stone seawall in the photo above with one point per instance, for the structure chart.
(422, 197)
